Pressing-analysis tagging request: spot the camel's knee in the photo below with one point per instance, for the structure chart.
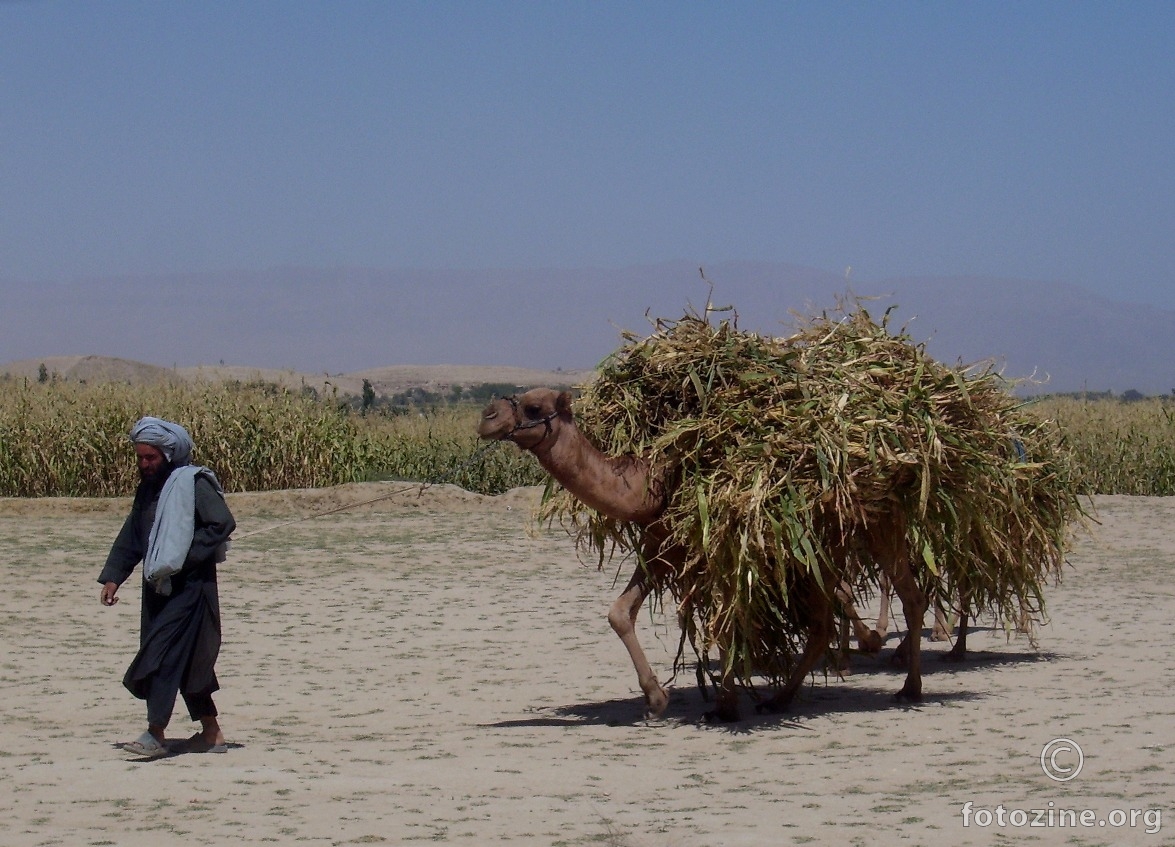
(620, 622)
(622, 617)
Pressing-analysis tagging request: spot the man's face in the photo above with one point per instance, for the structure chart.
(150, 460)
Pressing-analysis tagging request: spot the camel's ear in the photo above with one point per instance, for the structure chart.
(563, 404)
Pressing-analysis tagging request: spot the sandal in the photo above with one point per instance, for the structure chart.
(146, 746)
(197, 744)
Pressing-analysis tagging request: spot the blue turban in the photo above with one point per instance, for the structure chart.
(169, 438)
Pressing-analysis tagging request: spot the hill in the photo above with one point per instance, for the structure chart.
(300, 324)
(88, 369)
(390, 380)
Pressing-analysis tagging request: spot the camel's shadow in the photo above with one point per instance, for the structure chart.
(935, 662)
(824, 695)
(687, 706)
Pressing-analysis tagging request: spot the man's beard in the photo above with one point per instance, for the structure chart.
(155, 479)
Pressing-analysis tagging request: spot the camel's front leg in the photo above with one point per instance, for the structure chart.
(622, 616)
(726, 707)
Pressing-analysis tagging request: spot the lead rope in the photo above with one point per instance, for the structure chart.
(420, 489)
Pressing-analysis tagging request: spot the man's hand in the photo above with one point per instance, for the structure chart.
(110, 594)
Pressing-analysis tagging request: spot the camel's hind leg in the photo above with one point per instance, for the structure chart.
(726, 709)
(958, 652)
(622, 616)
(941, 631)
(914, 609)
(885, 589)
(868, 640)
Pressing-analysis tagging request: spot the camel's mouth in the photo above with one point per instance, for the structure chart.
(494, 425)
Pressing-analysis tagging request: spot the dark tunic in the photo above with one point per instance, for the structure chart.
(180, 634)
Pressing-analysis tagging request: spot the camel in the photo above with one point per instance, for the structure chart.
(626, 489)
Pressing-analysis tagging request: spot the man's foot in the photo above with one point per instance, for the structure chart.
(199, 744)
(146, 746)
(211, 733)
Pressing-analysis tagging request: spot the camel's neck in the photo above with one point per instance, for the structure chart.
(619, 487)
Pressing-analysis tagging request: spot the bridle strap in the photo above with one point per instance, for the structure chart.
(545, 421)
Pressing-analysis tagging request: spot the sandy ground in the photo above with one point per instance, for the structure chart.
(431, 668)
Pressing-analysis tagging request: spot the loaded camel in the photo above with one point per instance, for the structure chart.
(626, 489)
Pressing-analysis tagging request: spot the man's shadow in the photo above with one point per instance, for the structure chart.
(177, 747)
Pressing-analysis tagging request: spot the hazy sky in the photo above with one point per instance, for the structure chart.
(1029, 140)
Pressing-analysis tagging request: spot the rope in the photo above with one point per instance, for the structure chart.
(343, 508)
(421, 486)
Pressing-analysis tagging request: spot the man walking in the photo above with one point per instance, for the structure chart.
(179, 526)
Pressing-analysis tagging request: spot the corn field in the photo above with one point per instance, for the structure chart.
(66, 439)
(1119, 447)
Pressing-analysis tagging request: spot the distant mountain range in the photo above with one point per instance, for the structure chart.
(346, 321)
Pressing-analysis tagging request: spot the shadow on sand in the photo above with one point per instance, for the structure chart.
(689, 705)
(176, 748)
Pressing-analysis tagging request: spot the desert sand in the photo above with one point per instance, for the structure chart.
(433, 667)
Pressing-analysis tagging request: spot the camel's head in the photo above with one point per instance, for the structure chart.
(528, 419)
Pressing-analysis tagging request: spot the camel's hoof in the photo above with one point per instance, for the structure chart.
(771, 707)
(909, 695)
(871, 643)
(721, 716)
(936, 635)
(655, 706)
(725, 710)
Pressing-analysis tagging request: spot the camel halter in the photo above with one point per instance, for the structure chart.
(513, 401)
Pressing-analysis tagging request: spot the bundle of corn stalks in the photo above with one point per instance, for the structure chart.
(778, 455)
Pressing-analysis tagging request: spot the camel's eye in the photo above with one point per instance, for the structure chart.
(533, 411)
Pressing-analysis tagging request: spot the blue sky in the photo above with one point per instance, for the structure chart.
(1030, 140)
